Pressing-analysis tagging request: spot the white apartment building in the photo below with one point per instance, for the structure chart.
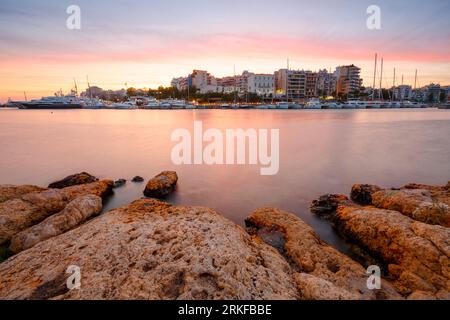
(403, 92)
(261, 84)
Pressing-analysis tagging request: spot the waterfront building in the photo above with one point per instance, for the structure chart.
(202, 79)
(348, 80)
(261, 84)
(291, 84)
(311, 84)
(433, 93)
(403, 92)
(326, 83)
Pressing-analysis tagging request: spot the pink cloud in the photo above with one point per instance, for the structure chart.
(225, 45)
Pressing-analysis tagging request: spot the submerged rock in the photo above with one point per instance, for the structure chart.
(162, 185)
(8, 192)
(417, 254)
(21, 213)
(323, 272)
(425, 205)
(137, 179)
(75, 213)
(151, 250)
(362, 193)
(73, 180)
(120, 183)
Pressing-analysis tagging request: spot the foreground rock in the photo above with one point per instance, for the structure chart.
(73, 180)
(417, 254)
(75, 213)
(21, 213)
(425, 205)
(322, 272)
(151, 250)
(362, 193)
(162, 185)
(9, 192)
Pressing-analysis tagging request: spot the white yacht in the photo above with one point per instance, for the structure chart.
(94, 104)
(127, 105)
(178, 104)
(332, 105)
(355, 104)
(282, 105)
(313, 103)
(373, 104)
(59, 101)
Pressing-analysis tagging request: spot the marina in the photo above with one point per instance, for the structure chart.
(150, 103)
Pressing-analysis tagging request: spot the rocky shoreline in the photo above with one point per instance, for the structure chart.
(150, 249)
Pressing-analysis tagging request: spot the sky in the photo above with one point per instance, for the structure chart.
(146, 43)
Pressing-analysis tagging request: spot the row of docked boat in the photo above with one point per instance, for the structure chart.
(358, 104)
(73, 102)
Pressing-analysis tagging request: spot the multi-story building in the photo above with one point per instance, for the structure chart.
(202, 79)
(182, 83)
(326, 83)
(348, 80)
(433, 92)
(228, 84)
(261, 84)
(403, 92)
(311, 84)
(291, 84)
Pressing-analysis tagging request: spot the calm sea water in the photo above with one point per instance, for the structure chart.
(320, 152)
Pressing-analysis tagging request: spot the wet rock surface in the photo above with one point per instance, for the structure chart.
(162, 185)
(318, 265)
(362, 193)
(417, 254)
(137, 179)
(73, 180)
(406, 230)
(326, 205)
(120, 183)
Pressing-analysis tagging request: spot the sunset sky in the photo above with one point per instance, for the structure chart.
(147, 43)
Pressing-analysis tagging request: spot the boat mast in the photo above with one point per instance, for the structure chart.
(415, 81)
(287, 75)
(76, 87)
(25, 94)
(381, 80)
(89, 87)
(393, 88)
(234, 70)
(374, 76)
(188, 88)
(415, 85)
